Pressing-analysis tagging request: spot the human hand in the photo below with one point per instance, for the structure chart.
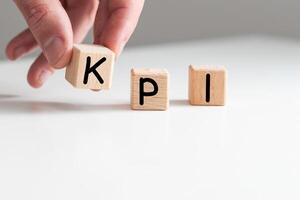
(54, 25)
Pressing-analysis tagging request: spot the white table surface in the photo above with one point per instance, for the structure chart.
(60, 143)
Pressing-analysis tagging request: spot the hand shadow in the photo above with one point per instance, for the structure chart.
(35, 107)
(179, 102)
(7, 96)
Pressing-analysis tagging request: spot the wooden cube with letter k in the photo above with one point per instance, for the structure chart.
(91, 67)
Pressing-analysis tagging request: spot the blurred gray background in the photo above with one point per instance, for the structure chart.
(177, 20)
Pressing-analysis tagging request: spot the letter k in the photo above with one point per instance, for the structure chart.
(93, 69)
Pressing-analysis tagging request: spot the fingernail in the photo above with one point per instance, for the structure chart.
(44, 75)
(53, 49)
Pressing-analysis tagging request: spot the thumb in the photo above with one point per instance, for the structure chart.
(51, 27)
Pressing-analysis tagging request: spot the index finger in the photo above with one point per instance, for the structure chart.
(51, 27)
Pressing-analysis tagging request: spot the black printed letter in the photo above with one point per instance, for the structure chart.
(207, 88)
(93, 69)
(143, 93)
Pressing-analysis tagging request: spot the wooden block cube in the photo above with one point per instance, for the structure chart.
(91, 67)
(207, 86)
(149, 89)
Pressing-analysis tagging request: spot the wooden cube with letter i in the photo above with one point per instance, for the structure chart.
(91, 67)
(207, 86)
(149, 89)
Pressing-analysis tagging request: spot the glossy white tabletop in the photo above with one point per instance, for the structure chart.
(60, 143)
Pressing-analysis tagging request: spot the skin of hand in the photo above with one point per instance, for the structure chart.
(55, 25)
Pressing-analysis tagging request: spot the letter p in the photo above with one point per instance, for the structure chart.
(144, 94)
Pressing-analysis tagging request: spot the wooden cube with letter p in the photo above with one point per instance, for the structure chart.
(149, 89)
(91, 67)
(207, 86)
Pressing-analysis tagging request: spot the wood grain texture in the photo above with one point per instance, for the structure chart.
(76, 69)
(160, 101)
(198, 94)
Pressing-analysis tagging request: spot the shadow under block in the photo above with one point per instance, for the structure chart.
(149, 89)
(91, 67)
(207, 86)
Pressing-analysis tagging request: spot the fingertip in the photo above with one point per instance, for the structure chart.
(32, 82)
(20, 45)
(9, 52)
(39, 73)
(14, 53)
(113, 46)
(38, 79)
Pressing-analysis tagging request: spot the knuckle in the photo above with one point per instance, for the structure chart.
(36, 15)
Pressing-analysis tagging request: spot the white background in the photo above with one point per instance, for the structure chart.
(248, 149)
(61, 143)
